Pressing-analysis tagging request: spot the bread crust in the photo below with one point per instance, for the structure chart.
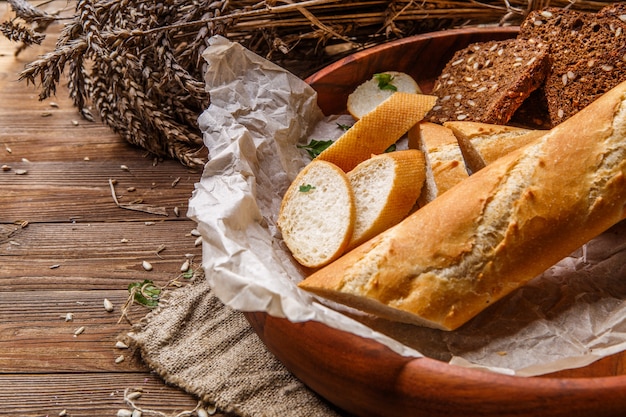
(494, 231)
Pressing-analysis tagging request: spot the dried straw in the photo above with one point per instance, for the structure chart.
(138, 63)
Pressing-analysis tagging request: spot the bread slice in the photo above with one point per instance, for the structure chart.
(496, 231)
(386, 188)
(587, 52)
(378, 129)
(317, 214)
(487, 81)
(483, 143)
(367, 96)
(445, 166)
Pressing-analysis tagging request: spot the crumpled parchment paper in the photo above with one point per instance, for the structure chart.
(570, 316)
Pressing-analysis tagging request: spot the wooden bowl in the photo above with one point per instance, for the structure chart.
(366, 378)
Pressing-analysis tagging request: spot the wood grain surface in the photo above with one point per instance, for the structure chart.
(65, 246)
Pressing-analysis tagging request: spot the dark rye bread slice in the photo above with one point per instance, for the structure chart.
(587, 52)
(487, 81)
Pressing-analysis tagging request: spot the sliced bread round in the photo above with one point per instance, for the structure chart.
(377, 89)
(317, 214)
(386, 187)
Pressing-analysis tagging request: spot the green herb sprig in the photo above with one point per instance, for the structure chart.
(316, 147)
(385, 81)
(145, 293)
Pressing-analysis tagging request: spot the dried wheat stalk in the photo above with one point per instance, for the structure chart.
(139, 64)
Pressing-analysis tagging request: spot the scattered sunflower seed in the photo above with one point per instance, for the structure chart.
(55, 266)
(149, 223)
(195, 232)
(63, 413)
(6, 167)
(6, 148)
(53, 104)
(124, 413)
(108, 305)
(69, 316)
(124, 240)
(86, 158)
(120, 359)
(146, 265)
(75, 122)
(124, 168)
(21, 172)
(134, 395)
(25, 160)
(198, 241)
(175, 182)
(185, 266)
(176, 211)
(79, 331)
(121, 345)
(131, 189)
(46, 114)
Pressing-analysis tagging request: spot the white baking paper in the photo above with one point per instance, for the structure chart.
(572, 315)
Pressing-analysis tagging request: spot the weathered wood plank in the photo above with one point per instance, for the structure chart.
(71, 255)
(59, 191)
(66, 256)
(87, 394)
(37, 337)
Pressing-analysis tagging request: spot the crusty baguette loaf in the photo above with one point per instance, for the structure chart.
(378, 130)
(483, 143)
(444, 161)
(367, 96)
(496, 230)
(317, 214)
(386, 187)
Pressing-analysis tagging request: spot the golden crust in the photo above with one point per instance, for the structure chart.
(378, 129)
(493, 232)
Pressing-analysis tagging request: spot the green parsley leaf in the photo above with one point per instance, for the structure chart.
(384, 82)
(145, 293)
(315, 147)
(343, 126)
(305, 188)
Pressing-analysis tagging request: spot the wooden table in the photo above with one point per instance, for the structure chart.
(65, 246)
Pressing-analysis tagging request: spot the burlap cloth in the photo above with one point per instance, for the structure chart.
(209, 350)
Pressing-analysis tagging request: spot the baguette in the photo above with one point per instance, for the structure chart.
(483, 143)
(496, 230)
(444, 161)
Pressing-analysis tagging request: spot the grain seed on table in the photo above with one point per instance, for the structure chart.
(108, 305)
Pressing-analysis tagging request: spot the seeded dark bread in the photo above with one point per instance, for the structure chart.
(587, 52)
(487, 81)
